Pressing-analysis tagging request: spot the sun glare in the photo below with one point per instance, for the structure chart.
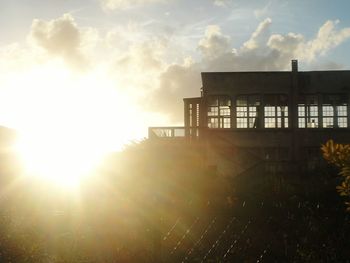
(67, 123)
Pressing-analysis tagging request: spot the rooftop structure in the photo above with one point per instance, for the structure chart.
(275, 120)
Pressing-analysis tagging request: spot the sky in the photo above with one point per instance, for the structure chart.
(111, 68)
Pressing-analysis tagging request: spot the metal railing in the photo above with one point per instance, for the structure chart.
(172, 132)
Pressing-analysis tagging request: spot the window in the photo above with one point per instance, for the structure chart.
(327, 116)
(308, 111)
(335, 111)
(192, 117)
(247, 111)
(276, 111)
(190, 113)
(342, 115)
(197, 116)
(219, 112)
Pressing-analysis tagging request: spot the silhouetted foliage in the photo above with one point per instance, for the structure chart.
(339, 155)
(158, 200)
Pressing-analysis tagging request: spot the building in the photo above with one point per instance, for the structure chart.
(265, 121)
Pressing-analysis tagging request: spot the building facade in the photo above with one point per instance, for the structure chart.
(265, 121)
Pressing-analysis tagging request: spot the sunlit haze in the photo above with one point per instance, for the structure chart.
(79, 79)
(138, 131)
(68, 122)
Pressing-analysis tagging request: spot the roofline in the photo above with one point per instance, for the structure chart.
(192, 98)
(254, 72)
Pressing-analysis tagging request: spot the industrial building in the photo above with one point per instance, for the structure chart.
(266, 121)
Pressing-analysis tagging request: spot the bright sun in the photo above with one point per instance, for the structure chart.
(67, 123)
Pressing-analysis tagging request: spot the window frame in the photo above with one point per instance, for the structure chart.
(219, 116)
(274, 114)
(308, 106)
(247, 113)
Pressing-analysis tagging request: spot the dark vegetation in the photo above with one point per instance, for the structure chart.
(158, 202)
(339, 155)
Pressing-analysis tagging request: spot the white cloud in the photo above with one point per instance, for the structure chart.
(176, 83)
(262, 51)
(124, 4)
(260, 35)
(328, 37)
(214, 42)
(221, 3)
(139, 65)
(259, 13)
(266, 51)
(62, 37)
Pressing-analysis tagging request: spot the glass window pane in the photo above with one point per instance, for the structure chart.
(254, 100)
(252, 109)
(327, 111)
(226, 123)
(270, 123)
(343, 122)
(282, 110)
(252, 123)
(213, 123)
(224, 101)
(313, 111)
(242, 123)
(312, 123)
(285, 123)
(241, 101)
(301, 123)
(213, 111)
(327, 122)
(212, 101)
(342, 110)
(270, 111)
(252, 114)
(225, 111)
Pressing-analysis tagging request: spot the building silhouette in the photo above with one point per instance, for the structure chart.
(268, 121)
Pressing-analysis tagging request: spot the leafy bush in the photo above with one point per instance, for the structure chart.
(339, 155)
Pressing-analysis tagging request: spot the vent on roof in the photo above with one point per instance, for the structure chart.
(294, 65)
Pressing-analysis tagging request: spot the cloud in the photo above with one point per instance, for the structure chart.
(139, 64)
(266, 51)
(176, 83)
(214, 42)
(145, 57)
(328, 37)
(259, 13)
(259, 37)
(262, 51)
(61, 37)
(137, 70)
(124, 4)
(221, 3)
